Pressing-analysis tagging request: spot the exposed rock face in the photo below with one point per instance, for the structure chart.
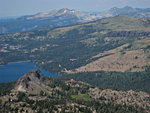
(30, 81)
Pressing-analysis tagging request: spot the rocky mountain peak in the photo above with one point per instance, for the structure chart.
(50, 14)
(30, 81)
(64, 10)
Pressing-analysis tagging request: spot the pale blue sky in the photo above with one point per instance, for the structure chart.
(27, 7)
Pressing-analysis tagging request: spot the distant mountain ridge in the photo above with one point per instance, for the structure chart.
(65, 17)
(134, 12)
(52, 19)
(82, 16)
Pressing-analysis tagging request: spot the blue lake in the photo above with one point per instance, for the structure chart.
(13, 71)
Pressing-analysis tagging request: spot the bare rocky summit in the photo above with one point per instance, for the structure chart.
(30, 81)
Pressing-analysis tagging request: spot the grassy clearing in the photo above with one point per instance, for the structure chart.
(81, 97)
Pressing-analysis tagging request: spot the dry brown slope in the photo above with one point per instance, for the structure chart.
(121, 59)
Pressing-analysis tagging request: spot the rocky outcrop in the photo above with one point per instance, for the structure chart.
(140, 98)
(30, 81)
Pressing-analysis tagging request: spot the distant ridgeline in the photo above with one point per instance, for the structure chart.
(64, 17)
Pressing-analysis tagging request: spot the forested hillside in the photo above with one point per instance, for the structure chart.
(69, 48)
(139, 81)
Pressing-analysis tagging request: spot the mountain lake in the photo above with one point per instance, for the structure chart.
(13, 71)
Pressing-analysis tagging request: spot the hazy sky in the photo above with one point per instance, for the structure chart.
(26, 7)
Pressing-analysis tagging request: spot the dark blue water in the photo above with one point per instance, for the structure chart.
(13, 71)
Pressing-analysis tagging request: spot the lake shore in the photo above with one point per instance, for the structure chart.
(14, 70)
(14, 62)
